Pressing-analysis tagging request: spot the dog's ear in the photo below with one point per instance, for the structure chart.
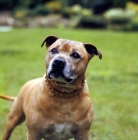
(92, 50)
(49, 41)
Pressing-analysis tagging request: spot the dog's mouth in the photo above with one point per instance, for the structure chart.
(59, 78)
(59, 83)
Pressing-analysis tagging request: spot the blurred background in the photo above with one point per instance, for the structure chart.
(101, 14)
(111, 25)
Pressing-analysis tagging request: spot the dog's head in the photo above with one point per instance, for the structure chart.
(66, 60)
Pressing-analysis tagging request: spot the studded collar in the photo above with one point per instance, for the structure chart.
(64, 95)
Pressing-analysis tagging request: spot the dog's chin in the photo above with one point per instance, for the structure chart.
(60, 79)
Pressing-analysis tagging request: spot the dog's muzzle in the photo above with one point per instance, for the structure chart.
(59, 71)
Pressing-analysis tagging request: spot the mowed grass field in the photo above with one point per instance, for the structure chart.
(113, 81)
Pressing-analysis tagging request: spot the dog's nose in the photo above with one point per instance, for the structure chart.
(59, 63)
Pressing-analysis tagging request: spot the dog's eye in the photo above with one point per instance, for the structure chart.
(75, 55)
(54, 51)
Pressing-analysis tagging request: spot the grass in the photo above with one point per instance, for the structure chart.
(113, 81)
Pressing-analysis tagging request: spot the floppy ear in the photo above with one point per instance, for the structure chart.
(49, 41)
(92, 50)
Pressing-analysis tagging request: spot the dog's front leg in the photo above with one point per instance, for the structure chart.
(34, 135)
(82, 135)
(16, 116)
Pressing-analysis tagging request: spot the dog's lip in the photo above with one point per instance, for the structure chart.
(49, 77)
(59, 83)
(61, 80)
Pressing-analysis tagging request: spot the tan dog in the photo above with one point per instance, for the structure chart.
(57, 106)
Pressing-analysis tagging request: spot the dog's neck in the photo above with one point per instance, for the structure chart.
(65, 90)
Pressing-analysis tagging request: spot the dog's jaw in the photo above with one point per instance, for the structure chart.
(60, 79)
(63, 90)
(66, 86)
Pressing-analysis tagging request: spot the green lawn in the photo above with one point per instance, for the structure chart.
(113, 81)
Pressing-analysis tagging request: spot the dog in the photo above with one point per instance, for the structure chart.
(58, 105)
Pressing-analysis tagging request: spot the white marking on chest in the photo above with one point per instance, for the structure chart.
(63, 131)
(62, 127)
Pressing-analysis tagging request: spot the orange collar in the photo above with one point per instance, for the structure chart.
(64, 95)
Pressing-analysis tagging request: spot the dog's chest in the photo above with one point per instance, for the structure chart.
(60, 131)
(59, 128)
